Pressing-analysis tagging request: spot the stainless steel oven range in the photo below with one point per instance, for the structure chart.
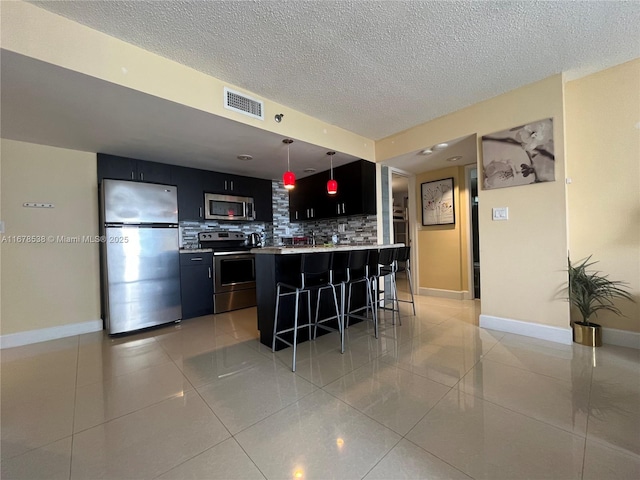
(234, 273)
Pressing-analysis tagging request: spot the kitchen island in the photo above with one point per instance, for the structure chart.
(282, 264)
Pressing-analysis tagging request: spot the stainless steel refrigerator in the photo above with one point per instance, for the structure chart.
(140, 255)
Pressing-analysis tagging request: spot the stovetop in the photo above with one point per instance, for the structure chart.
(224, 242)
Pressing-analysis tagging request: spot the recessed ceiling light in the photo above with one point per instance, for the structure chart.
(441, 146)
(426, 151)
(244, 158)
(454, 159)
(309, 170)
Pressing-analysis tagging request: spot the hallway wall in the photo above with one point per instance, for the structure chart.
(523, 259)
(443, 263)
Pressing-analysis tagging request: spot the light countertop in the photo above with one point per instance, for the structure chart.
(319, 248)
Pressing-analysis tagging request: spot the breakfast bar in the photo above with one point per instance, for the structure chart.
(282, 264)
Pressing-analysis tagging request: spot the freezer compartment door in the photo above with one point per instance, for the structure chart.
(134, 202)
(143, 278)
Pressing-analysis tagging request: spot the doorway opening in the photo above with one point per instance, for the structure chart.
(401, 218)
(472, 181)
(453, 158)
(400, 209)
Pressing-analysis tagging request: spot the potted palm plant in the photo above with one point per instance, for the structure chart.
(589, 292)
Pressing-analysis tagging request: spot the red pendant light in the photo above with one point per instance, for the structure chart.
(289, 178)
(332, 185)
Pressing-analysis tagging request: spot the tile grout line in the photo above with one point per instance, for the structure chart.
(511, 409)
(586, 427)
(441, 459)
(75, 402)
(203, 400)
(383, 457)
(232, 436)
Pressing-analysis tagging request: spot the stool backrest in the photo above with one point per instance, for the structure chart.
(357, 264)
(403, 254)
(339, 266)
(387, 256)
(373, 267)
(315, 268)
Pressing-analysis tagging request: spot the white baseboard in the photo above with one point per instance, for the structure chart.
(622, 338)
(436, 292)
(535, 330)
(42, 335)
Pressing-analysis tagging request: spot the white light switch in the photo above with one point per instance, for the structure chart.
(501, 213)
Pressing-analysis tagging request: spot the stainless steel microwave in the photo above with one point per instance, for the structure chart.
(228, 207)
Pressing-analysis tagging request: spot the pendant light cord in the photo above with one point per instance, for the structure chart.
(331, 154)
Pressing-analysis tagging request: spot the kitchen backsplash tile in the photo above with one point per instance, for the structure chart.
(189, 230)
(358, 229)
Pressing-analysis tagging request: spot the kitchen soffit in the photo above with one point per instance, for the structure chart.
(50, 105)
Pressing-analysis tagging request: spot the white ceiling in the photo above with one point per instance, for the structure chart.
(371, 67)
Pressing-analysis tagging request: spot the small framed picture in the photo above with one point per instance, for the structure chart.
(437, 203)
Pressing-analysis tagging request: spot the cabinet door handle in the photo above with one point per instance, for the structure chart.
(313, 214)
(209, 272)
(225, 184)
(196, 259)
(231, 184)
(141, 176)
(338, 206)
(132, 175)
(200, 212)
(296, 215)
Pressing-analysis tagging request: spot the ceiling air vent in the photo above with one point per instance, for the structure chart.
(240, 103)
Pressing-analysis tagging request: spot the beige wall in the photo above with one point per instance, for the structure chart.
(603, 161)
(523, 260)
(48, 284)
(443, 259)
(37, 33)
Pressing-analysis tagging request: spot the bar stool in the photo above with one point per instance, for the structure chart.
(338, 275)
(315, 276)
(372, 273)
(403, 265)
(358, 272)
(386, 267)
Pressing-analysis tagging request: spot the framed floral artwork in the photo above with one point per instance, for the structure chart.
(437, 202)
(519, 156)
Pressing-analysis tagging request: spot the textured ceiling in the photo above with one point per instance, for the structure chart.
(374, 67)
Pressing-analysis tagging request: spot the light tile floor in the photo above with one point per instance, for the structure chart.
(437, 397)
